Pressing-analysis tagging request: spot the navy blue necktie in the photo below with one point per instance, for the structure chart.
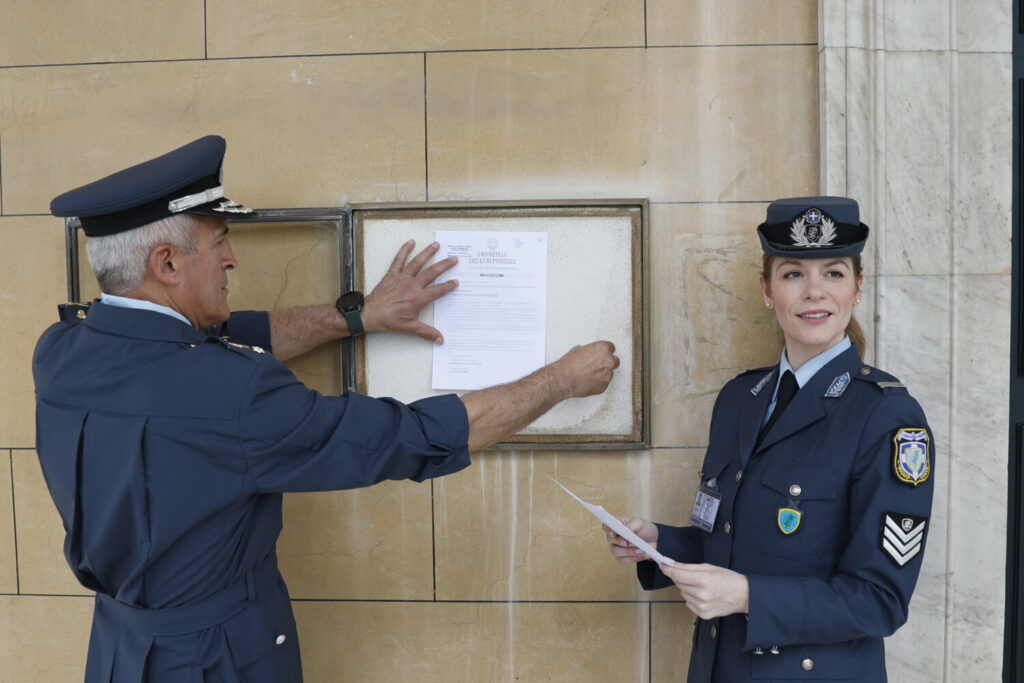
(787, 390)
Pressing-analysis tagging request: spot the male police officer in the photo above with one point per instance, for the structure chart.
(166, 448)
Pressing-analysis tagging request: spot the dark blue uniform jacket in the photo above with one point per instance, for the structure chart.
(166, 452)
(822, 597)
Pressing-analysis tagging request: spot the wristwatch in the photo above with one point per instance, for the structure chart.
(349, 305)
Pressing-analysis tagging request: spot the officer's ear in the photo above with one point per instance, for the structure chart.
(164, 264)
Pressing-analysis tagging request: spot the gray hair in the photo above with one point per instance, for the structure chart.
(119, 260)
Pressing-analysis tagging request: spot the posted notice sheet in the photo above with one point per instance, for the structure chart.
(494, 323)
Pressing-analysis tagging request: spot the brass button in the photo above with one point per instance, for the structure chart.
(739, 475)
(863, 371)
(728, 527)
(807, 664)
(714, 631)
(795, 490)
(280, 639)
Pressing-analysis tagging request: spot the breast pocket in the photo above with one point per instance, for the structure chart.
(797, 511)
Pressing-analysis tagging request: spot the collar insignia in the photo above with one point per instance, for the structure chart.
(838, 386)
(760, 385)
(910, 459)
(813, 229)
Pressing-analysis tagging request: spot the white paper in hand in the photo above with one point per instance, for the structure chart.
(618, 527)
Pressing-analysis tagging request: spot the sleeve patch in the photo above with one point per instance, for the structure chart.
(902, 536)
(911, 458)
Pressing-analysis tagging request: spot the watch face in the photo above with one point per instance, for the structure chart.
(350, 301)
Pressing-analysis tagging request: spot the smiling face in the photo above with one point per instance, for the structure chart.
(813, 301)
(203, 294)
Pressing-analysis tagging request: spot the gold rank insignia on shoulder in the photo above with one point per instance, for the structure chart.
(72, 312)
(254, 349)
(911, 461)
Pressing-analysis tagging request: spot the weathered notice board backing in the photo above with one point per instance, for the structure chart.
(596, 290)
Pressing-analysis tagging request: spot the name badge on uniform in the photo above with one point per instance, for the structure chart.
(705, 507)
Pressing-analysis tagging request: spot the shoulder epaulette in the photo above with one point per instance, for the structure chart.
(882, 380)
(755, 370)
(72, 312)
(228, 344)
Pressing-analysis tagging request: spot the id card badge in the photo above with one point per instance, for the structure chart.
(705, 507)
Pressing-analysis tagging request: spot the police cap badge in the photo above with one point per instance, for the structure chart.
(813, 227)
(185, 180)
(911, 461)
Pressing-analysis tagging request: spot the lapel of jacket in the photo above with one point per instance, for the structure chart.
(750, 417)
(808, 406)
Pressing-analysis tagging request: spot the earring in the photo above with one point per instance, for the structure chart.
(768, 304)
(856, 301)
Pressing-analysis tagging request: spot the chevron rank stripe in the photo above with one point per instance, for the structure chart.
(902, 536)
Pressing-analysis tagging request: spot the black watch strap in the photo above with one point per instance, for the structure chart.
(349, 305)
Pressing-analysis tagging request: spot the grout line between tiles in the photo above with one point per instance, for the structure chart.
(645, 24)
(426, 136)
(313, 55)
(433, 541)
(14, 522)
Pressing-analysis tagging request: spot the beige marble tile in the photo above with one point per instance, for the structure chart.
(44, 639)
(322, 26)
(504, 531)
(984, 164)
(671, 638)
(915, 236)
(301, 132)
(364, 544)
(672, 124)
(42, 568)
(32, 286)
(709, 322)
(283, 265)
(8, 551)
(442, 642)
(54, 32)
(731, 22)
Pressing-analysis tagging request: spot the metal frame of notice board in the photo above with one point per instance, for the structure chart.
(635, 430)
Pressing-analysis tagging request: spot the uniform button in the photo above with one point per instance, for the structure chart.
(774, 650)
(728, 527)
(758, 651)
(795, 490)
(739, 475)
(280, 639)
(714, 631)
(807, 664)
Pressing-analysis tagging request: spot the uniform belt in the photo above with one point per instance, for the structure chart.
(202, 614)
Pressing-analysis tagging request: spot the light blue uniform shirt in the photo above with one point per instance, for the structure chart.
(125, 302)
(806, 371)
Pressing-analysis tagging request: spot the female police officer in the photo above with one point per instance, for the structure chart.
(807, 531)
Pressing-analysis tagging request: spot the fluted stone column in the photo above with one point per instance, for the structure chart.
(916, 105)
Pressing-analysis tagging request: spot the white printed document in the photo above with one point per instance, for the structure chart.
(618, 527)
(495, 323)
